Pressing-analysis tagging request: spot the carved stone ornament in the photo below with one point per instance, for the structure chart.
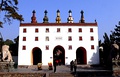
(6, 53)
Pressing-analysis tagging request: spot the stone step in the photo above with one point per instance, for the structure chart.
(61, 75)
(95, 73)
(8, 74)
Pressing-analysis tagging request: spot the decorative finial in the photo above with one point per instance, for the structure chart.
(70, 18)
(119, 23)
(82, 12)
(45, 12)
(82, 17)
(45, 19)
(33, 18)
(70, 11)
(95, 21)
(58, 11)
(58, 19)
(33, 11)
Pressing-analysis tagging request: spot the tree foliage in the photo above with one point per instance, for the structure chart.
(106, 39)
(113, 37)
(116, 33)
(109, 51)
(10, 10)
(8, 42)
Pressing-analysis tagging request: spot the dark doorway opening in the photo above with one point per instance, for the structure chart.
(37, 55)
(81, 56)
(59, 55)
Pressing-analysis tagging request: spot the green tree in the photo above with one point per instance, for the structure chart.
(107, 44)
(8, 42)
(110, 51)
(106, 52)
(14, 47)
(115, 36)
(9, 9)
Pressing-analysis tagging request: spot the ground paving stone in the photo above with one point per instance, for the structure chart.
(61, 70)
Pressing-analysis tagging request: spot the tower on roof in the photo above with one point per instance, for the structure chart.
(45, 19)
(33, 18)
(82, 17)
(58, 19)
(70, 18)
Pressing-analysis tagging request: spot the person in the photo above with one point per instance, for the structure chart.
(54, 64)
(59, 62)
(75, 65)
(71, 65)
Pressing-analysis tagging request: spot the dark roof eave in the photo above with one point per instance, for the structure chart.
(58, 24)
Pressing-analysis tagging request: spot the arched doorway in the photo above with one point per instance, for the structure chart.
(37, 55)
(81, 56)
(59, 54)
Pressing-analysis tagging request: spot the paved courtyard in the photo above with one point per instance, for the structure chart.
(81, 70)
(60, 69)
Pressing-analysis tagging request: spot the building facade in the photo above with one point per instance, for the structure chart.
(43, 42)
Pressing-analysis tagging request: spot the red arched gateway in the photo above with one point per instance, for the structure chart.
(81, 55)
(59, 54)
(36, 55)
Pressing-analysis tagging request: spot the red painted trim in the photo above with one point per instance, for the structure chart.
(58, 24)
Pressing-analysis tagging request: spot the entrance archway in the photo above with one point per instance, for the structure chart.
(37, 55)
(59, 54)
(81, 55)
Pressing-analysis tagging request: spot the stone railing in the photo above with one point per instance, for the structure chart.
(116, 63)
(6, 66)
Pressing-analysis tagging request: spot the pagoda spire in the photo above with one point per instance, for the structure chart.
(33, 18)
(58, 19)
(70, 18)
(45, 19)
(82, 17)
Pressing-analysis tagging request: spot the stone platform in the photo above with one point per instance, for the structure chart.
(6, 66)
(62, 71)
(12, 74)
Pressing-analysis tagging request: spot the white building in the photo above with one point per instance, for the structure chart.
(40, 42)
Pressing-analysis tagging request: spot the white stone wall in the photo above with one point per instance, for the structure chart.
(24, 56)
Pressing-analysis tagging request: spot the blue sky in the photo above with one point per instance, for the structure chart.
(106, 12)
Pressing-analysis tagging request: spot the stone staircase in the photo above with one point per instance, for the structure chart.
(94, 74)
(8, 74)
(61, 75)
(62, 71)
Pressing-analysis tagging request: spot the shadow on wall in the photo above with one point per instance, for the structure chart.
(95, 58)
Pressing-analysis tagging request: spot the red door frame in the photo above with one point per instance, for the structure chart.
(84, 54)
(63, 52)
(36, 51)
